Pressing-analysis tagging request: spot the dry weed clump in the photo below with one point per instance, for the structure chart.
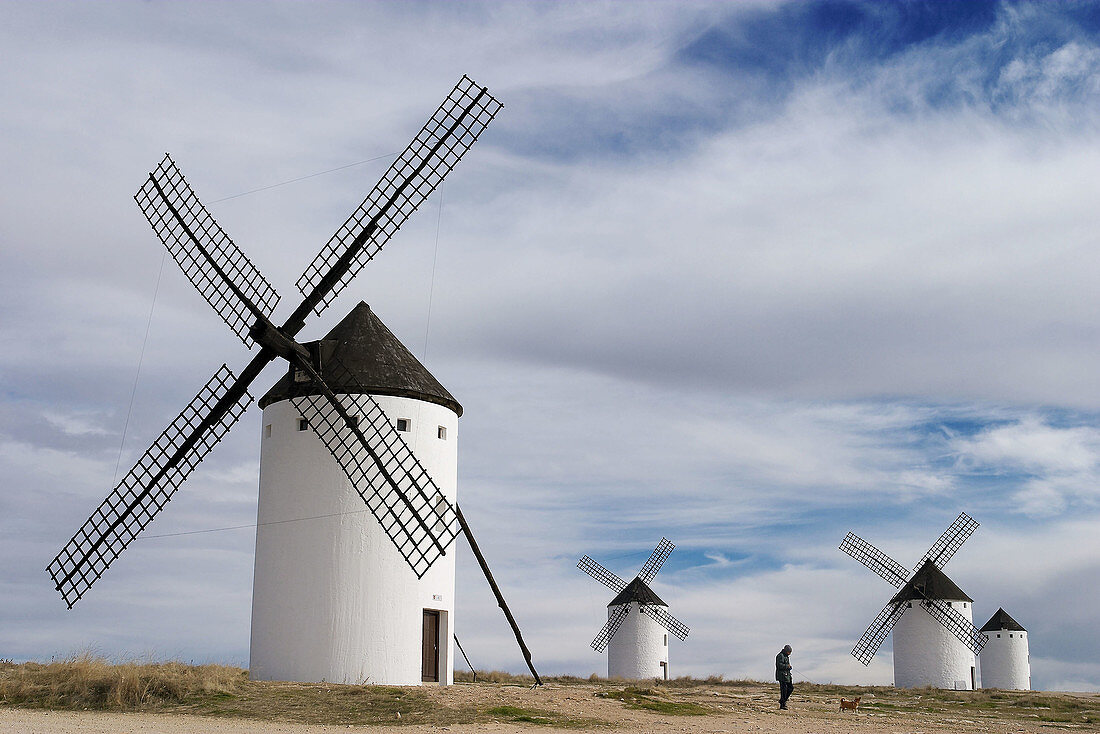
(87, 681)
(493, 676)
(503, 677)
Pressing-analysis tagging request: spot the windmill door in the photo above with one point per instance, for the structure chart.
(430, 669)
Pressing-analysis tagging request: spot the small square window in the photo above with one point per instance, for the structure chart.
(441, 432)
(998, 635)
(303, 424)
(1010, 634)
(267, 431)
(403, 424)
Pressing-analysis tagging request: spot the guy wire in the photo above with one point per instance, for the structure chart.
(302, 178)
(255, 524)
(431, 286)
(137, 373)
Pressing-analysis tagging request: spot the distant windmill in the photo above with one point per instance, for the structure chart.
(419, 519)
(935, 639)
(635, 635)
(1005, 662)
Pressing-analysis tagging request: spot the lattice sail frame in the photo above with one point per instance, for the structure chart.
(956, 624)
(412, 510)
(217, 268)
(877, 632)
(614, 622)
(412, 178)
(871, 557)
(601, 574)
(656, 559)
(952, 539)
(144, 491)
(666, 620)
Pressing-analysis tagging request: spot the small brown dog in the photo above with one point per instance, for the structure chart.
(852, 704)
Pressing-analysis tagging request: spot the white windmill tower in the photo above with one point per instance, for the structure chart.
(1005, 661)
(935, 639)
(332, 598)
(379, 581)
(636, 633)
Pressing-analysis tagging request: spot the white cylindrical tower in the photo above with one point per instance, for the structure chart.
(333, 599)
(1005, 661)
(639, 648)
(925, 652)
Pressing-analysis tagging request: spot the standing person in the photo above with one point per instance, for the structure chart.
(783, 675)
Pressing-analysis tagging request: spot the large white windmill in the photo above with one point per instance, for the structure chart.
(636, 633)
(333, 598)
(931, 618)
(366, 594)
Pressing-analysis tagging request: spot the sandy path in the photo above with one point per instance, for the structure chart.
(15, 721)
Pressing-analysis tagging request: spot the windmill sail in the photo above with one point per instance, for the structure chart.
(951, 540)
(956, 624)
(412, 510)
(412, 178)
(874, 559)
(877, 632)
(656, 559)
(217, 268)
(614, 622)
(601, 574)
(666, 620)
(149, 485)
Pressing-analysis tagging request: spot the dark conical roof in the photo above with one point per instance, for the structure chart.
(382, 365)
(637, 590)
(930, 582)
(1001, 621)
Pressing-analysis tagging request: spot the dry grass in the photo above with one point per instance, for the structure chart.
(711, 680)
(494, 676)
(500, 676)
(90, 682)
(87, 681)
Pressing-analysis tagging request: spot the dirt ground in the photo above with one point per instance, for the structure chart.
(605, 707)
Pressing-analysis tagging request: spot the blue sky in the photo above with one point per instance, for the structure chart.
(747, 276)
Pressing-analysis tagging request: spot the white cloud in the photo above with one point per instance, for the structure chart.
(1062, 464)
(75, 424)
(1033, 445)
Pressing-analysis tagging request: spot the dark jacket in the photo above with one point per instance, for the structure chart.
(783, 667)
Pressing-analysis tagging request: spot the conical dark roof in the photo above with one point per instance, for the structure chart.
(382, 365)
(930, 582)
(1001, 621)
(637, 590)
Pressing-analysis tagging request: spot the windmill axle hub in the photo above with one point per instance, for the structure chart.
(266, 335)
